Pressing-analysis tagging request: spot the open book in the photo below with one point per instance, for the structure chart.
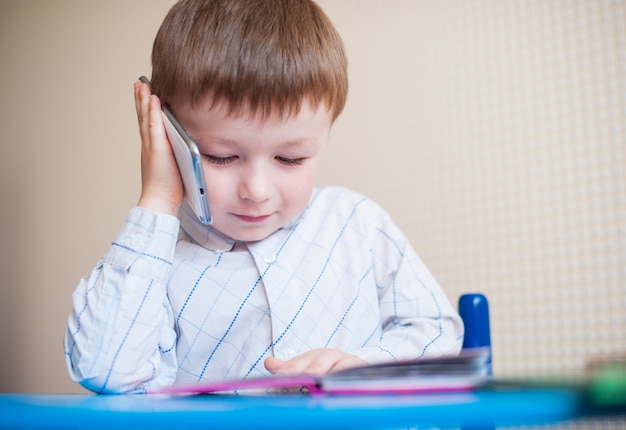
(451, 373)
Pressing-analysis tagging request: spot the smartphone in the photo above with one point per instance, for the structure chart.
(189, 163)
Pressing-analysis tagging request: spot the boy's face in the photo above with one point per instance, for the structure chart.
(260, 173)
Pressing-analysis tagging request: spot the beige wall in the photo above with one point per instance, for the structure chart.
(493, 131)
(70, 157)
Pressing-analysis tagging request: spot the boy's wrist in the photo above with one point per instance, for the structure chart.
(158, 205)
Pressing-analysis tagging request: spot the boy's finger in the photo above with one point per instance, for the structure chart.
(142, 106)
(144, 98)
(310, 362)
(156, 128)
(273, 364)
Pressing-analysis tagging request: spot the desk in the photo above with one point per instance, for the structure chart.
(472, 410)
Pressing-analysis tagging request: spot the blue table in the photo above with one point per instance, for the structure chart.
(481, 409)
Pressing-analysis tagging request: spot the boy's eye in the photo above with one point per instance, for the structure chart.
(290, 161)
(220, 161)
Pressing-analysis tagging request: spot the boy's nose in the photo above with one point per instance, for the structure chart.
(255, 185)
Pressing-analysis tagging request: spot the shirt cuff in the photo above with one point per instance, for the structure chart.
(145, 244)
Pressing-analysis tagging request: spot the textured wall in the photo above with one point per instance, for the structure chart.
(495, 133)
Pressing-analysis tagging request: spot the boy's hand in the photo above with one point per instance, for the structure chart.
(161, 185)
(314, 362)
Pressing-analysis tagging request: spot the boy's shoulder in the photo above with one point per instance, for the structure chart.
(335, 209)
(337, 199)
(336, 194)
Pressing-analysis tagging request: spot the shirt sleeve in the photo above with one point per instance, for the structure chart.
(417, 318)
(120, 335)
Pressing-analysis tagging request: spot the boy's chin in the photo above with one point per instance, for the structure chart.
(248, 234)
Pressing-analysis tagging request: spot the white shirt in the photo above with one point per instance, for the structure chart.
(177, 302)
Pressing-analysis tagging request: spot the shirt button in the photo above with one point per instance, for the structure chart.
(269, 259)
(290, 354)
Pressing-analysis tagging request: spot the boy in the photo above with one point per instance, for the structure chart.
(289, 278)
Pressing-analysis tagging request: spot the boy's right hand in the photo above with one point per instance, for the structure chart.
(161, 184)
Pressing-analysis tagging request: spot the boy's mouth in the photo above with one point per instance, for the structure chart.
(252, 218)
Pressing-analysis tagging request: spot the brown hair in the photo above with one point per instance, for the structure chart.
(259, 56)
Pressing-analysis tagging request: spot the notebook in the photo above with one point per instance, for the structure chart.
(462, 372)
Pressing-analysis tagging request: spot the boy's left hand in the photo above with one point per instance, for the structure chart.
(314, 362)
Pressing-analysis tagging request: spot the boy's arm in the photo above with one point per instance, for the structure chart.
(417, 318)
(120, 333)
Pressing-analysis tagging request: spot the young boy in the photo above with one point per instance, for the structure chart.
(289, 278)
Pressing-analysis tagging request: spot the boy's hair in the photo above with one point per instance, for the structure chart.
(259, 56)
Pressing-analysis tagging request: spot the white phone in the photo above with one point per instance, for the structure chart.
(189, 163)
